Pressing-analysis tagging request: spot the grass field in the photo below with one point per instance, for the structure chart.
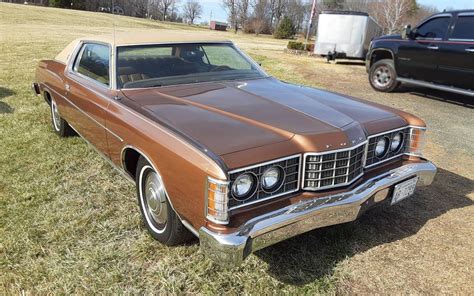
(70, 223)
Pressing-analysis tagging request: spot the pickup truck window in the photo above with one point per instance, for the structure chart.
(433, 29)
(464, 28)
(93, 62)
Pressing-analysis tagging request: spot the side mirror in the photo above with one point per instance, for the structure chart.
(407, 32)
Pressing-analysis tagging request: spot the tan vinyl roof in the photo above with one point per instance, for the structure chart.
(130, 38)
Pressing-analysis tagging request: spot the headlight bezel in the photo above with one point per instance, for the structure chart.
(412, 144)
(291, 182)
(252, 189)
(400, 144)
(386, 147)
(280, 180)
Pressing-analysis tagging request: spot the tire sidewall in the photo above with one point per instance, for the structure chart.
(59, 128)
(393, 74)
(158, 233)
(63, 129)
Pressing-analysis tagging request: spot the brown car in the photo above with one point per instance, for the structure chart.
(219, 149)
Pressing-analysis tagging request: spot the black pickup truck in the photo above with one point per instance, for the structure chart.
(438, 53)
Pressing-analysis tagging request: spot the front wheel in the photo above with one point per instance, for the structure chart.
(160, 219)
(383, 77)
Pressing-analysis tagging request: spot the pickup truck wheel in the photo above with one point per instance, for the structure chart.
(383, 77)
(60, 126)
(160, 219)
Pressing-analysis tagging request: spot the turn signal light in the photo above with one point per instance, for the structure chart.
(416, 142)
(217, 201)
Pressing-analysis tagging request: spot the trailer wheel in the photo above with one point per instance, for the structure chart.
(383, 77)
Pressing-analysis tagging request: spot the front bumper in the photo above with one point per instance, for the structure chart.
(268, 229)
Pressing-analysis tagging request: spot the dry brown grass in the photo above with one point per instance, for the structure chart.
(69, 223)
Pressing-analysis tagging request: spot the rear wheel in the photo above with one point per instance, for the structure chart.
(160, 219)
(60, 126)
(383, 77)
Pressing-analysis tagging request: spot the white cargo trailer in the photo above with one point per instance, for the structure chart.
(345, 34)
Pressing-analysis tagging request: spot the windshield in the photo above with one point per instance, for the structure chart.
(161, 65)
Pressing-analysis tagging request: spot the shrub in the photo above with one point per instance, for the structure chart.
(77, 4)
(59, 3)
(256, 26)
(285, 29)
(295, 45)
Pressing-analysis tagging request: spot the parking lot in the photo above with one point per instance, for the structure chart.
(70, 223)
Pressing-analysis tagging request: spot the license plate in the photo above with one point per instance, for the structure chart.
(404, 190)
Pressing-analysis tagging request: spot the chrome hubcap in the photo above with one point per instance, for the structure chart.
(56, 117)
(382, 77)
(155, 197)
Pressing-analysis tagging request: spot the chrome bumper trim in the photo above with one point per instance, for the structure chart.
(231, 249)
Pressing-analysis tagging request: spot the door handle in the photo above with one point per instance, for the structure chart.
(67, 87)
(470, 50)
(433, 47)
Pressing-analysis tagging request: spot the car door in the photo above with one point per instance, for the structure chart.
(456, 63)
(88, 91)
(418, 56)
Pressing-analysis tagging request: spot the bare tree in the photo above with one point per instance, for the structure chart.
(357, 5)
(243, 11)
(298, 11)
(139, 8)
(276, 11)
(422, 12)
(261, 8)
(192, 10)
(164, 7)
(391, 14)
(232, 10)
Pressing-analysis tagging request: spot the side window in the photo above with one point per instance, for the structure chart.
(93, 62)
(464, 28)
(433, 29)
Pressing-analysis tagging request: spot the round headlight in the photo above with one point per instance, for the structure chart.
(272, 178)
(396, 142)
(243, 186)
(381, 147)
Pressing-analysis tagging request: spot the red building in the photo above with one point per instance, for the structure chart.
(219, 26)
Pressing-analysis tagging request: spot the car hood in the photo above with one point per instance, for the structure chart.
(227, 117)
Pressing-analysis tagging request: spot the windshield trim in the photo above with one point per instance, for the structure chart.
(243, 54)
(197, 83)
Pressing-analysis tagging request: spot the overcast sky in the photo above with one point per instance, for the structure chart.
(219, 13)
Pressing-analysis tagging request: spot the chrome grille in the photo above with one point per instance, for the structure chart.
(333, 169)
(372, 159)
(291, 166)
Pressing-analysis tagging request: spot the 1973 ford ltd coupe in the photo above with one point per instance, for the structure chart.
(219, 149)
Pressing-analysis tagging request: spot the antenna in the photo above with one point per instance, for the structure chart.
(113, 21)
(116, 97)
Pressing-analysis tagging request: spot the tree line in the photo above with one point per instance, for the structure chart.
(283, 18)
(187, 11)
(265, 16)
